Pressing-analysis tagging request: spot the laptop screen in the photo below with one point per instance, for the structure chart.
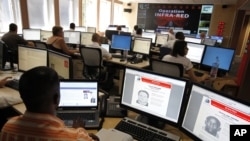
(78, 93)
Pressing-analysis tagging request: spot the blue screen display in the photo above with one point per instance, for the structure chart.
(225, 56)
(121, 42)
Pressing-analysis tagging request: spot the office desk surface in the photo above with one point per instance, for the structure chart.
(143, 64)
(9, 96)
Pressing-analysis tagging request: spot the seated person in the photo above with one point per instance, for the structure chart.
(39, 90)
(12, 39)
(57, 42)
(170, 43)
(138, 33)
(178, 55)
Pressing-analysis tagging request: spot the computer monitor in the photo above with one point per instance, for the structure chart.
(151, 35)
(72, 37)
(109, 33)
(32, 34)
(61, 63)
(195, 52)
(80, 28)
(30, 57)
(192, 40)
(209, 42)
(121, 42)
(225, 57)
(142, 45)
(45, 34)
(106, 46)
(219, 39)
(125, 29)
(86, 38)
(209, 114)
(153, 95)
(161, 39)
(91, 29)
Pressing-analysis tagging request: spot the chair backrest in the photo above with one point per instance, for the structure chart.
(164, 51)
(41, 44)
(4, 54)
(166, 68)
(92, 57)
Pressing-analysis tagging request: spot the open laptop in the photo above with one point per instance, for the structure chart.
(79, 99)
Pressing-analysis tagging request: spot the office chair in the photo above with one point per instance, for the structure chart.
(92, 64)
(6, 56)
(167, 68)
(40, 44)
(164, 51)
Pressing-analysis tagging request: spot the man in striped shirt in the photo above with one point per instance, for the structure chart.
(39, 90)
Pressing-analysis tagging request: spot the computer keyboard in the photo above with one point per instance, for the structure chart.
(115, 55)
(144, 132)
(14, 84)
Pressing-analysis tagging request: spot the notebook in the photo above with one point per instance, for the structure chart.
(79, 99)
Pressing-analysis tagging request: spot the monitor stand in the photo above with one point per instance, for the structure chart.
(151, 121)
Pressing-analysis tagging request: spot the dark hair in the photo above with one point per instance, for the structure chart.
(12, 27)
(118, 28)
(212, 117)
(179, 48)
(37, 87)
(95, 37)
(136, 27)
(72, 26)
(139, 31)
(180, 36)
(56, 30)
(143, 91)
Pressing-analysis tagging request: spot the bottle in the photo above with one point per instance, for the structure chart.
(214, 68)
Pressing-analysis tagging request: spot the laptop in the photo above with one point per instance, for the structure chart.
(79, 99)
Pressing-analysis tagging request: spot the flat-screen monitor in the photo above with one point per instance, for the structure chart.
(209, 114)
(45, 34)
(109, 33)
(195, 52)
(91, 29)
(30, 57)
(125, 29)
(153, 95)
(121, 42)
(151, 35)
(142, 45)
(80, 28)
(72, 37)
(86, 38)
(61, 63)
(32, 34)
(193, 40)
(161, 39)
(209, 42)
(106, 46)
(218, 39)
(225, 57)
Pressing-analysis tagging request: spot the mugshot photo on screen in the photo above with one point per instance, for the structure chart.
(212, 125)
(143, 97)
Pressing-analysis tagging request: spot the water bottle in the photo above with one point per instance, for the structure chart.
(214, 68)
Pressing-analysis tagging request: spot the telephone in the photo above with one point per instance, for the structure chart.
(113, 107)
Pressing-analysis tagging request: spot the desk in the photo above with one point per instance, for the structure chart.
(8, 96)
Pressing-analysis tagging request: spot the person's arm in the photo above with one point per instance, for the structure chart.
(195, 78)
(4, 81)
(65, 47)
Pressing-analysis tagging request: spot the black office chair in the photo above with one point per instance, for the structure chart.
(6, 55)
(93, 64)
(166, 68)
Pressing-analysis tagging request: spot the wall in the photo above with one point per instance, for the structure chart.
(220, 14)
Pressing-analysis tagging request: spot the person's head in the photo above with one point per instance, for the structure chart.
(202, 35)
(72, 26)
(212, 125)
(139, 31)
(96, 38)
(143, 97)
(180, 36)
(180, 48)
(13, 27)
(136, 27)
(57, 31)
(119, 28)
(39, 90)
